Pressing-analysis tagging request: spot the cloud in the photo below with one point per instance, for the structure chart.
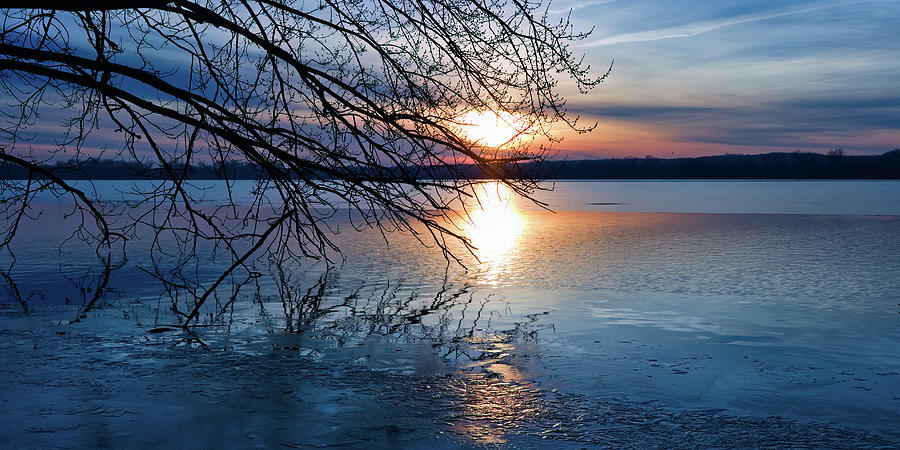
(648, 112)
(837, 119)
(579, 5)
(834, 113)
(697, 28)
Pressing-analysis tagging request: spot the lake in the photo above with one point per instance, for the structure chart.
(640, 313)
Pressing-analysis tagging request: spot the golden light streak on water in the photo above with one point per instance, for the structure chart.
(494, 226)
(496, 397)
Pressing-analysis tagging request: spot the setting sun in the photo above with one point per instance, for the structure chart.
(490, 129)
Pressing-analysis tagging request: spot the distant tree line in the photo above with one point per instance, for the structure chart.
(109, 169)
(797, 165)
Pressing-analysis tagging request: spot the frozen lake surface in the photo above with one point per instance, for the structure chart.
(646, 314)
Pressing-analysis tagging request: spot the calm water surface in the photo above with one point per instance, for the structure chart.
(668, 304)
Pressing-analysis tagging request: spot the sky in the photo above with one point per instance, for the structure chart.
(695, 78)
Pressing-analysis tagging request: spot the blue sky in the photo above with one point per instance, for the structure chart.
(704, 77)
(711, 77)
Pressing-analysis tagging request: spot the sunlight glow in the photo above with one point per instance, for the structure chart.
(493, 226)
(490, 129)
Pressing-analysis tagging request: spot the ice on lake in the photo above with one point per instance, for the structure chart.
(650, 314)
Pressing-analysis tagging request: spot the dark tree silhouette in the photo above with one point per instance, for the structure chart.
(339, 105)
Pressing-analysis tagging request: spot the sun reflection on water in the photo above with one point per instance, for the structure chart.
(493, 226)
(496, 397)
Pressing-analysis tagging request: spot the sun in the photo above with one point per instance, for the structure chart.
(491, 129)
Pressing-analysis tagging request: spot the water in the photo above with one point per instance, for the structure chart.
(841, 197)
(645, 313)
(845, 197)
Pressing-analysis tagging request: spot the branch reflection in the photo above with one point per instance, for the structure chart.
(482, 352)
(490, 392)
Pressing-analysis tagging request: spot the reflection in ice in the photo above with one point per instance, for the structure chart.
(496, 397)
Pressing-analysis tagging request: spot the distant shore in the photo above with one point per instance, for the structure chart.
(835, 165)
(781, 166)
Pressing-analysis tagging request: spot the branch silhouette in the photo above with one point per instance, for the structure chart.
(339, 105)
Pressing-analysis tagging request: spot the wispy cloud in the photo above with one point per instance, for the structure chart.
(575, 5)
(697, 28)
(866, 123)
